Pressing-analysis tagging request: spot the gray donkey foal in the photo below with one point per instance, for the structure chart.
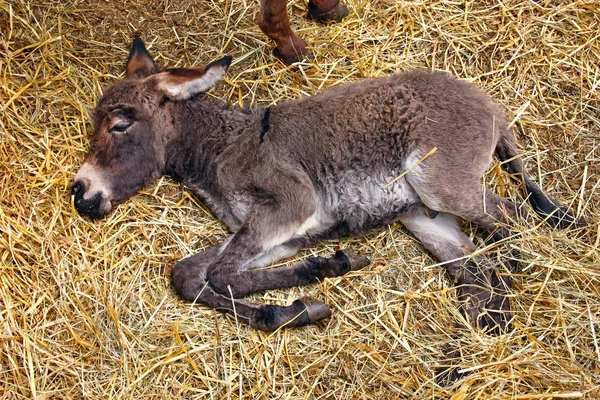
(286, 176)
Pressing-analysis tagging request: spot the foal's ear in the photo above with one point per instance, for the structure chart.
(183, 83)
(139, 63)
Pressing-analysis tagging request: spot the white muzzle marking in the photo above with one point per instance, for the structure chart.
(95, 182)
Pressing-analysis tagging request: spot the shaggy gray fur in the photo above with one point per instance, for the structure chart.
(287, 176)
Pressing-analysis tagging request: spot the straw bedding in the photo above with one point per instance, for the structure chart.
(86, 310)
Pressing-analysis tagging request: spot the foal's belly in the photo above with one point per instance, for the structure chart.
(362, 201)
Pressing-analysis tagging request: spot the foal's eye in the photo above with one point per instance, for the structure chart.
(120, 126)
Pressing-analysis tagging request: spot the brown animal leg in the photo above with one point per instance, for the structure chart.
(273, 20)
(491, 216)
(464, 196)
(476, 283)
(327, 10)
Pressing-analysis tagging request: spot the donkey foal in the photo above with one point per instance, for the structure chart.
(286, 176)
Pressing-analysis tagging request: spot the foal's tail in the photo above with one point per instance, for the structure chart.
(555, 215)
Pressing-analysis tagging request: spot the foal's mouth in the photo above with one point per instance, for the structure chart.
(95, 202)
(91, 207)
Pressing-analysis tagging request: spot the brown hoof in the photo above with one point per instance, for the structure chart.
(315, 309)
(448, 376)
(356, 262)
(489, 313)
(336, 14)
(293, 56)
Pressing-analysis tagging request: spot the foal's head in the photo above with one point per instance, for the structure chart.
(132, 125)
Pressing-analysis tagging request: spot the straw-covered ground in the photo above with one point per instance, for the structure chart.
(86, 310)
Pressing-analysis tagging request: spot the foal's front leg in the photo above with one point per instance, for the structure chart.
(271, 231)
(252, 278)
(189, 279)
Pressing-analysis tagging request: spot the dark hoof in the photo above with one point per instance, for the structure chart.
(293, 56)
(490, 313)
(448, 376)
(498, 317)
(498, 306)
(356, 262)
(494, 323)
(335, 14)
(315, 309)
(340, 264)
(300, 313)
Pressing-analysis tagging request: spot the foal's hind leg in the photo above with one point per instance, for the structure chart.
(445, 240)
(464, 196)
(490, 211)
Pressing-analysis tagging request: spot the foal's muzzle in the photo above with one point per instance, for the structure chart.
(88, 205)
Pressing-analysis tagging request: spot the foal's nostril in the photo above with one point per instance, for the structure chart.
(76, 188)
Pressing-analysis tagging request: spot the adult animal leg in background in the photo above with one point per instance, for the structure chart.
(273, 20)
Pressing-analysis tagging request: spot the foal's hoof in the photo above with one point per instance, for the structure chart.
(356, 261)
(488, 312)
(340, 264)
(315, 309)
(336, 13)
(300, 313)
(494, 322)
(498, 317)
(498, 312)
